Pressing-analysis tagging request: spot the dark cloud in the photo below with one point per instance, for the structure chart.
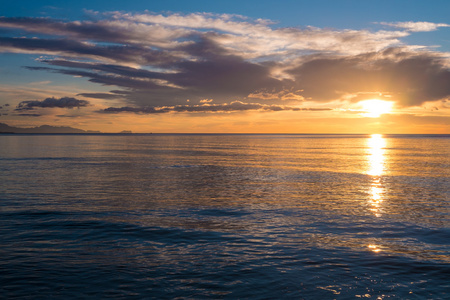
(65, 102)
(410, 79)
(68, 116)
(132, 82)
(137, 110)
(28, 115)
(231, 107)
(225, 75)
(215, 76)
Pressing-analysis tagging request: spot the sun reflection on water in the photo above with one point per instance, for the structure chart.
(376, 169)
(376, 150)
(374, 248)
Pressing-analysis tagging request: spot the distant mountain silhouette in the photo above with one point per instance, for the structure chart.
(4, 128)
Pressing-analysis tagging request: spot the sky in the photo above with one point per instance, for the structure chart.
(227, 66)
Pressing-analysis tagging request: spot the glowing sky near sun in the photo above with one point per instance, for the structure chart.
(257, 66)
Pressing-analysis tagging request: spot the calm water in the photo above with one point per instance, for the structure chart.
(225, 216)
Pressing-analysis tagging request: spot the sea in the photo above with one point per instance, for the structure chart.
(224, 216)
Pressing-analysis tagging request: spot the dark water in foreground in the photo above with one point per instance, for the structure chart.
(224, 216)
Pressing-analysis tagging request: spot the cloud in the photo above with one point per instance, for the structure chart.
(123, 54)
(249, 38)
(208, 108)
(101, 30)
(282, 95)
(155, 61)
(416, 26)
(65, 102)
(214, 75)
(29, 115)
(252, 38)
(100, 95)
(39, 83)
(410, 79)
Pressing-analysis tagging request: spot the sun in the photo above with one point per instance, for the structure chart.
(374, 108)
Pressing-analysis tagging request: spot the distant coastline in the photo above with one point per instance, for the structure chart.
(6, 129)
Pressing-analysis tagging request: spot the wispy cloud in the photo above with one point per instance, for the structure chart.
(416, 26)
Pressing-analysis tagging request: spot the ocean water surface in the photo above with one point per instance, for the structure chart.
(225, 216)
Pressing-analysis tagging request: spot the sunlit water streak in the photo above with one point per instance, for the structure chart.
(376, 148)
(224, 216)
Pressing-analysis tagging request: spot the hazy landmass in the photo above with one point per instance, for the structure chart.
(4, 128)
